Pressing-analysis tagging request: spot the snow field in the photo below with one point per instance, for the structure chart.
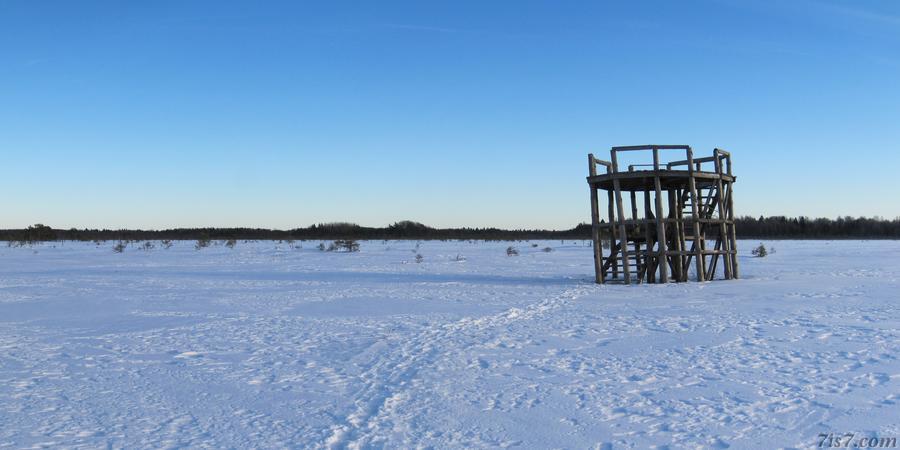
(268, 346)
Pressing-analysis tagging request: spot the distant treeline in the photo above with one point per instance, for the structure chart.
(821, 228)
(324, 231)
(777, 227)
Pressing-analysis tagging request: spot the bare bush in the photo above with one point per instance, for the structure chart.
(344, 245)
(231, 243)
(119, 247)
(202, 243)
(419, 258)
(547, 249)
(166, 244)
(512, 251)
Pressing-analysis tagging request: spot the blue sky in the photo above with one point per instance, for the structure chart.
(282, 114)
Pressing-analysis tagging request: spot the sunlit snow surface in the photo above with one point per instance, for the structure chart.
(273, 347)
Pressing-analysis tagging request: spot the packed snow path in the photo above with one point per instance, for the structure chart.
(270, 346)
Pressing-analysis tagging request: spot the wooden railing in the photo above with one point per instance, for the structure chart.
(721, 160)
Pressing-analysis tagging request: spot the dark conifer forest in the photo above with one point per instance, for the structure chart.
(775, 227)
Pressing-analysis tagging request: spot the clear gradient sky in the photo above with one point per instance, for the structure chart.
(459, 113)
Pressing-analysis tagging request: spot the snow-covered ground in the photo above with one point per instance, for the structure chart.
(271, 347)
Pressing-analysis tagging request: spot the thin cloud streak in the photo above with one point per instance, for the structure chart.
(427, 28)
(867, 15)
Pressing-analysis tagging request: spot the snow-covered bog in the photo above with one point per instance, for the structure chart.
(265, 345)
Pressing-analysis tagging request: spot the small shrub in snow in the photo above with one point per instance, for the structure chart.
(321, 246)
(419, 258)
(230, 243)
(760, 251)
(344, 245)
(119, 247)
(147, 246)
(166, 244)
(511, 251)
(534, 245)
(547, 249)
(459, 258)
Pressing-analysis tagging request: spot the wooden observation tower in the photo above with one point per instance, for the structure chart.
(681, 215)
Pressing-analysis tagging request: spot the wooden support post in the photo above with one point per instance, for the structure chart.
(711, 270)
(734, 269)
(648, 241)
(612, 234)
(706, 213)
(595, 225)
(730, 208)
(695, 216)
(676, 236)
(682, 196)
(634, 215)
(724, 240)
(639, 259)
(623, 234)
(663, 253)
